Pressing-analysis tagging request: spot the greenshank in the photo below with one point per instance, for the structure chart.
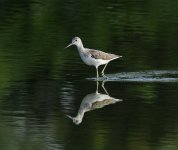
(93, 57)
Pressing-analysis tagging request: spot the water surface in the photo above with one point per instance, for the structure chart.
(41, 82)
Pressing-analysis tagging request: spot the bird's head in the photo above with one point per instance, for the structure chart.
(76, 120)
(75, 41)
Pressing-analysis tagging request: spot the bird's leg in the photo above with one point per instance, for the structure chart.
(104, 87)
(102, 72)
(97, 83)
(97, 76)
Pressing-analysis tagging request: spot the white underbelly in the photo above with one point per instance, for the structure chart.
(93, 62)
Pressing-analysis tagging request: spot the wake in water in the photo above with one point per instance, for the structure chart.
(143, 76)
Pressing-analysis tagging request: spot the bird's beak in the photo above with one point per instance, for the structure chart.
(69, 117)
(69, 45)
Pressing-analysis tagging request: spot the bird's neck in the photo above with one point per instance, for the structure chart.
(80, 47)
(80, 115)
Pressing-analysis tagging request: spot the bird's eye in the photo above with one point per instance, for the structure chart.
(75, 40)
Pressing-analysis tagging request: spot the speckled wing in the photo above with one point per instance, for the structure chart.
(102, 55)
(100, 104)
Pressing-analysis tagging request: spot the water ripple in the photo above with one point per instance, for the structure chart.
(143, 76)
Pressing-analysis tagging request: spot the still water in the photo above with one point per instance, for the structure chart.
(50, 100)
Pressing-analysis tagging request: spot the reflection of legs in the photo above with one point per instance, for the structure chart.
(97, 83)
(102, 72)
(97, 73)
(104, 87)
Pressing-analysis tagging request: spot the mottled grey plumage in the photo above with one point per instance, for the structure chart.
(102, 55)
(93, 57)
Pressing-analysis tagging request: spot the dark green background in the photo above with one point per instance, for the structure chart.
(41, 82)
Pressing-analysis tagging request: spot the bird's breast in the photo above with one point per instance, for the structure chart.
(87, 59)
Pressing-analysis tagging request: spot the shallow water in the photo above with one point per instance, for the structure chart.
(142, 76)
(43, 85)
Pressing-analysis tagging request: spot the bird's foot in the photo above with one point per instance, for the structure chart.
(104, 76)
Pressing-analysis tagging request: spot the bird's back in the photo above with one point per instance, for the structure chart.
(102, 55)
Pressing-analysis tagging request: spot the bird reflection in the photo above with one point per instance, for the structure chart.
(93, 101)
